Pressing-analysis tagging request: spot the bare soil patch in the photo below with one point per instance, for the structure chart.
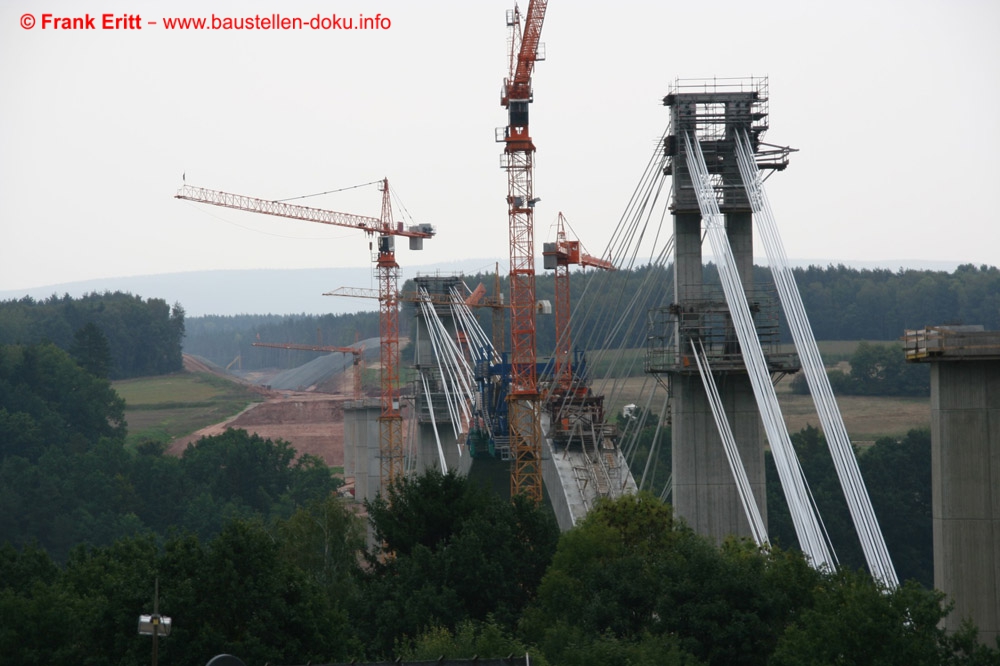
(312, 422)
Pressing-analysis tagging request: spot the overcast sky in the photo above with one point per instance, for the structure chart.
(892, 105)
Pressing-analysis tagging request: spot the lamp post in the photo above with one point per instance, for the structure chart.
(155, 625)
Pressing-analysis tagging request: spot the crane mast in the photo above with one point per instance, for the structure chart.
(524, 403)
(387, 271)
(559, 256)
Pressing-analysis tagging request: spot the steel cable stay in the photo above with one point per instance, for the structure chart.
(807, 528)
(450, 382)
(438, 357)
(620, 322)
(437, 437)
(656, 436)
(624, 328)
(455, 372)
(625, 244)
(458, 368)
(469, 325)
(838, 441)
(475, 336)
(449, 379)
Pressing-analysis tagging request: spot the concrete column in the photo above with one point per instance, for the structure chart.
(704, 492)
(965, 436)
(687, 256)
(361, 447)
(739, 229)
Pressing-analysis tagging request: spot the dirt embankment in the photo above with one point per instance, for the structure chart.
(311, 422)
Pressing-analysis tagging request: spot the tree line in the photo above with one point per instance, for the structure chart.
(875, 369)
(66, 476)
(145, 337)
(225, 339)
(850, 304)
(133, 337)
(842, 304)
(459, 572)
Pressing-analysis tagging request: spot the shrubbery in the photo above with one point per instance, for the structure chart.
(876, 369)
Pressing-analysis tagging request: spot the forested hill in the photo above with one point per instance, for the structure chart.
(144, 337)
(223, 339)
(118, 335)
(842, 303)
(849, 304)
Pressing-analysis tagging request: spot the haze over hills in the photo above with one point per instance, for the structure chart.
(295, 291)
(254, 291)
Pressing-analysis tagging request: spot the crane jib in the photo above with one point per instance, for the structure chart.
(369, 225)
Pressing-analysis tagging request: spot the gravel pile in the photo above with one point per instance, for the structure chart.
(321, 369)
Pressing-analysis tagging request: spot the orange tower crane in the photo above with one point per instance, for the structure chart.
(559, 256)
(327, 349)
(524, 403)
(387, 270)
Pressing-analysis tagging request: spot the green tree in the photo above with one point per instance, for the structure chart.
(73, 408)
(240, 596)
(450, 551)
(856, 621)
(91, 350)
(255, 472)
(324, 538)
(486, 640)
(630, 575)
(897, 473)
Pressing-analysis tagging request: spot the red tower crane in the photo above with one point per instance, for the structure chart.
(387, 270)
(559, 256)
(524, 404)
(358, 354)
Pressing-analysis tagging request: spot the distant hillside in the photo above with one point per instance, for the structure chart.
(259, 291)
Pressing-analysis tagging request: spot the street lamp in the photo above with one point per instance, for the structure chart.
(155, 625)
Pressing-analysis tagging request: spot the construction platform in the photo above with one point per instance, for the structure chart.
(951, 343)
(707, 321)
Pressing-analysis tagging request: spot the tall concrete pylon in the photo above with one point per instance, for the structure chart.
(704, 492)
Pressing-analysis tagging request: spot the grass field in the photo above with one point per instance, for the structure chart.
(866, 418)
(169, 406)
(629, 362)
